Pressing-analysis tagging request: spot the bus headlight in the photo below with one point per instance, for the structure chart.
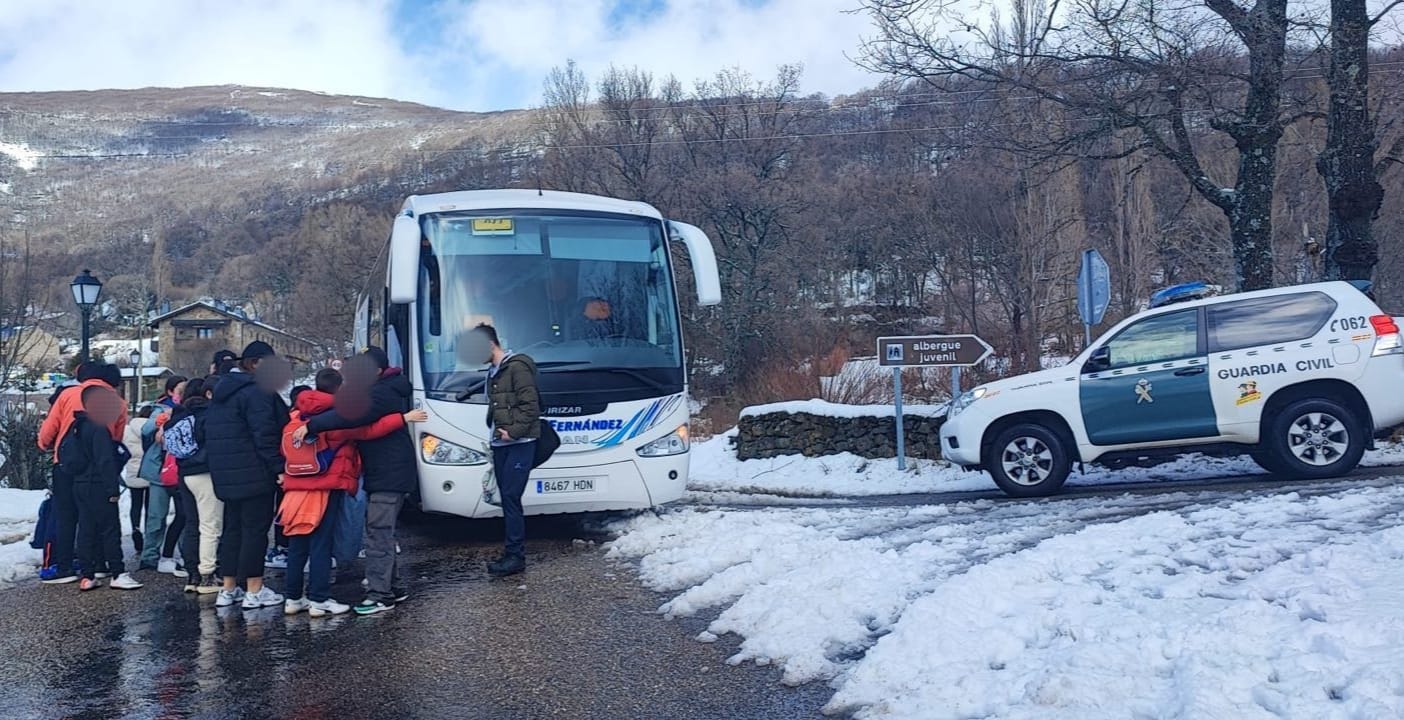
(674, 443)
(437, 451)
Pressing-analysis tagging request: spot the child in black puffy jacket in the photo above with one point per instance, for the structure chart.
(97, 460)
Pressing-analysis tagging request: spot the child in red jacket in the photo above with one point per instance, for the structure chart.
(311, 504)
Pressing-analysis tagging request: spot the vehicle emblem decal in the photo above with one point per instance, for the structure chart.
(1248, 392)
(1143, 391)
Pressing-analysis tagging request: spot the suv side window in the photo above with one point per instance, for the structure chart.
(1266, 321)
(1172, 336)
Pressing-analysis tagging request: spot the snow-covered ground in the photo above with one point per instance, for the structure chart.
(18, 510)
(716, 473)
(1213, 603)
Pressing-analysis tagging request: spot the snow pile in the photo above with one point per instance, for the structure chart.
(1099, 607)
(824, 408)
(24, 157)
(18, 511)
(715, 469)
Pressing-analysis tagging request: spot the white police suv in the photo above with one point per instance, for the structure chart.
(1303, 378)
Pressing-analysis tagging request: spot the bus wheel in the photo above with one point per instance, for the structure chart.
(1029, 461)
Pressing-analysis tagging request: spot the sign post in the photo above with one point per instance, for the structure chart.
(897, 407)
(953, 351)
(1093, 290)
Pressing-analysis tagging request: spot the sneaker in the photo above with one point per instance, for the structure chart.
(507, 565)
(400, 595)
(167, 566)
(125, 582)
(361, 555)
(87, 584)
(229, 597)
(328, 607)
(209, 585)
(262, 599)
(180, 571)
(50, 576)
(276, 560)
(192, 583)
(372, 607)
(296, 605)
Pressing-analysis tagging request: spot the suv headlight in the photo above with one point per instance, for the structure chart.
(674, 443)
(965, 400)
(437, 451)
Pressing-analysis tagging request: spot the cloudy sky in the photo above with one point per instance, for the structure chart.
(464, 54)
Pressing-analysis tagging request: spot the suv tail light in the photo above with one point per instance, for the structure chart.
(1387, 340)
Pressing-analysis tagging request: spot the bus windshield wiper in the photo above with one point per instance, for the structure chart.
(635, 374)
(477, 386)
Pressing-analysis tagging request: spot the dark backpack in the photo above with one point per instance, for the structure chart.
(546, 445)
(73, 457)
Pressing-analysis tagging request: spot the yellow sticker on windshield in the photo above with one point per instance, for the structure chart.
(492, 226)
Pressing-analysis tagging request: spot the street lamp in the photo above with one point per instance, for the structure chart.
(86, 290)
(135, 357)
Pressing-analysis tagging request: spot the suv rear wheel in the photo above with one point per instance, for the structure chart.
(1029, 460)
(1314, 438)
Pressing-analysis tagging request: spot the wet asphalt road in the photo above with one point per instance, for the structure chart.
(576, 637)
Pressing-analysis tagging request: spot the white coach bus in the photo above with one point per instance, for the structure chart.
(585, 286)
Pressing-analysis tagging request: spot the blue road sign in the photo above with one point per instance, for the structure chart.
(1093, 287)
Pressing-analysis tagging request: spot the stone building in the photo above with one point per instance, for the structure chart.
(189, 336)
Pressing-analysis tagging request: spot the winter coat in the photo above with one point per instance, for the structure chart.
(132, 439)
(242, 438)
(154, 455)
(189, 418)
(513, 403)
(388, 462)
(64, 409)
(103, 467)
(345, 470)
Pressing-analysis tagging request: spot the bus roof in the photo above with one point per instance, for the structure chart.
(418, 205)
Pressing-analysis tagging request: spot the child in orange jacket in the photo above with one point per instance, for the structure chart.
(311, 504)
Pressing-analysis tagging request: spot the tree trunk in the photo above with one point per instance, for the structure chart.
(1250, 219)
(1264, 32)
(1346, 165)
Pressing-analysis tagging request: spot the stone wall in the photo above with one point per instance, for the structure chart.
(798, 433)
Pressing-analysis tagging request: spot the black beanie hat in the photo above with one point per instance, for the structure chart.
(110, 374)
(223, 356)
(257, 350)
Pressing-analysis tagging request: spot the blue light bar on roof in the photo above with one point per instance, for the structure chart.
(1183, 292)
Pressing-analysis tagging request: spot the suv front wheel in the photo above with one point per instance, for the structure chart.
(1315, 438)
(1029, 461)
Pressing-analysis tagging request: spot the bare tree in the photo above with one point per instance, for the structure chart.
(1348, 164)
(1170, 74)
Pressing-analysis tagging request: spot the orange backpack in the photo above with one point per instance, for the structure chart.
(312, 456)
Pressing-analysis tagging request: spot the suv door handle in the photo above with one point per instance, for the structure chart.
(1188, 371)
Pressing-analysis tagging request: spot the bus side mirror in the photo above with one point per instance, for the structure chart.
(704, 261)
(404, 260)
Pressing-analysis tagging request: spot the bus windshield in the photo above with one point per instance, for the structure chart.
(588, 296)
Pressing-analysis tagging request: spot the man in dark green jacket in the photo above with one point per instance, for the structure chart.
(514, 420)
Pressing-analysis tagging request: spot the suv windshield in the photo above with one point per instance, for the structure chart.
(588, 296)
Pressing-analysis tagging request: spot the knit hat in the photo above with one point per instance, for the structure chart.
(257, 350)
(223, 356)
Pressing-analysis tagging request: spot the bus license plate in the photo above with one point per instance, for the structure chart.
(565, 485)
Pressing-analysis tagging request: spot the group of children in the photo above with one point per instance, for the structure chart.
(232, 456)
